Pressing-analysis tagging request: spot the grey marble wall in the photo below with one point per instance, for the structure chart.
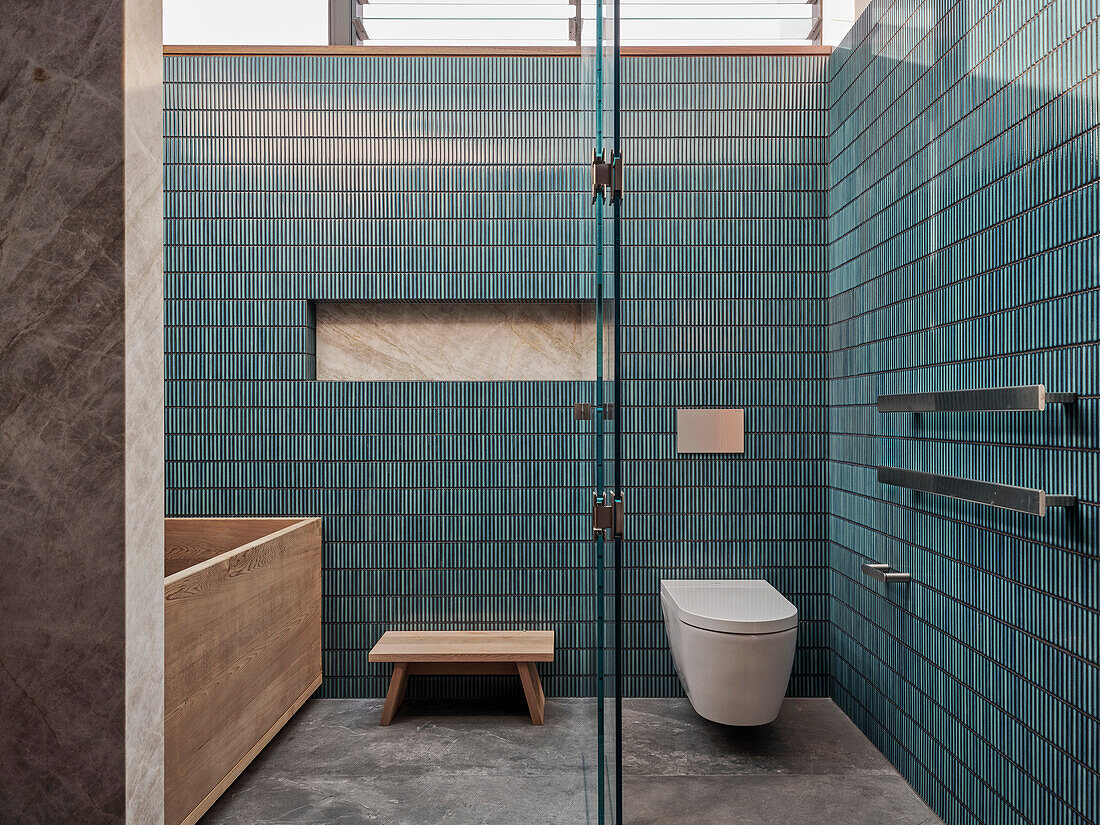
(75, 359)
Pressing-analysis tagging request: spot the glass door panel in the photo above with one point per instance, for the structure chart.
(612, 294)
(603, 54)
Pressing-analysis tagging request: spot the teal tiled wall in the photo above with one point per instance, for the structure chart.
(724, 264)
(964, 236)
(296, 179)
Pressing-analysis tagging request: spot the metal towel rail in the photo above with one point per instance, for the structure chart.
(1031, 397)
(883, 573)
(1005, 496)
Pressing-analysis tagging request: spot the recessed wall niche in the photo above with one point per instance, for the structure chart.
(437, 341)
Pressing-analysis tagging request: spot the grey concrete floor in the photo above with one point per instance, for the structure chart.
(476, 764)
(811, 766)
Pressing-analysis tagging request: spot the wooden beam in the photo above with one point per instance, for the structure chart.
(499, 51)
(393, 51)
(724, 51)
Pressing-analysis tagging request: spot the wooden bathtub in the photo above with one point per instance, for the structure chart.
(242, 647)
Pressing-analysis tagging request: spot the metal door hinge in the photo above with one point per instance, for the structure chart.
(607, 176)
(608, 514)
(583, 412)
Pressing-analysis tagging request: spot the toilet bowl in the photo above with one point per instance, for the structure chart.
(733, 646)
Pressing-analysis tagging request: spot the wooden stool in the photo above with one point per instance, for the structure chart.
(447, 652)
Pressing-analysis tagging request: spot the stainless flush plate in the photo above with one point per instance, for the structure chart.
(710, 431)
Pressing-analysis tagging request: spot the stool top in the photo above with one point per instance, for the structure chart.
(464, 646)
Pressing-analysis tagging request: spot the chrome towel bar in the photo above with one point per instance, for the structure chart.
(1005, 496)
(883, 573)
(1031, 397)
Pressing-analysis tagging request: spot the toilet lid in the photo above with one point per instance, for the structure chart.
(730, 606)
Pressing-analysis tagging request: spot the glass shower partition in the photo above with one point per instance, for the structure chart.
(600, 51)
(510, 105)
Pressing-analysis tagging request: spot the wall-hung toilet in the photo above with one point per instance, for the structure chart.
(733, 646)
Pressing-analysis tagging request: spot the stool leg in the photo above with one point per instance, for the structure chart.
(532, 689)
(396, 692)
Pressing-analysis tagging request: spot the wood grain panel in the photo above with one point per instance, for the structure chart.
(190, 541)
(242, 651)
(464, 646)
(532, 691)
(461, 668)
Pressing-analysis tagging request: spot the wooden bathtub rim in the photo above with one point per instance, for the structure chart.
(212, 797)
(180, 575)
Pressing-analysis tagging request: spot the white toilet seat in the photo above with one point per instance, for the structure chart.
(731, 606)
(733, 644)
